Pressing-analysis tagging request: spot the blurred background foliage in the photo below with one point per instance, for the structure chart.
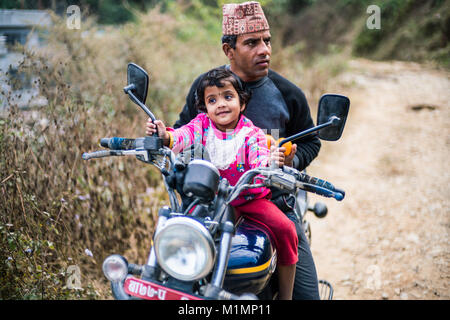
(57, 210)
(412, 30)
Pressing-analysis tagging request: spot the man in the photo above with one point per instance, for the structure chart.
(277, 106)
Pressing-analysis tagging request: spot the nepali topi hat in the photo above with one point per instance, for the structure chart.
(243, 18)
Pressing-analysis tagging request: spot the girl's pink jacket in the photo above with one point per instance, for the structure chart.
(232, 152)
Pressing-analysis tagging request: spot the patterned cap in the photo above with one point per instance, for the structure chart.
(243, 18)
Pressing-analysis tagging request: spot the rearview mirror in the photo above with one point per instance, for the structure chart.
(137, 87)
(332, 107)
(137, 80)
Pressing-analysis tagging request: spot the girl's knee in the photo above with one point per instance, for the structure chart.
(289, 230)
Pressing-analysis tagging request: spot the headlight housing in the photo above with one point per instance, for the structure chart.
(201, 180)
(185, 249)
(115, 268)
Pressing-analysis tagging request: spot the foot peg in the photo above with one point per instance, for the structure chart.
(320, 209)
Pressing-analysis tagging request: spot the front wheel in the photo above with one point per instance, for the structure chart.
(119, 292)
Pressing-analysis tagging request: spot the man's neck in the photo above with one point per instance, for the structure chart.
(243, 76)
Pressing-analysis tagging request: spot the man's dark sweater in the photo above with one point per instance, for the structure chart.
(278, 107)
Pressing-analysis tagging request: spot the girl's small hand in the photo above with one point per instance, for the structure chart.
(277, 155)
(159, 126)
(287, 160)
(150, 127)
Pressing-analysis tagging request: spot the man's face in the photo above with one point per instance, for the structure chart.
(251, 58)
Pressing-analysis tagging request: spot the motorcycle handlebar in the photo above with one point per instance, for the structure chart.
(305, 182)
(117, 144)
(149, 143)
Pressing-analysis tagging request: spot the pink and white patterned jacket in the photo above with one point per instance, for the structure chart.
(233, 152)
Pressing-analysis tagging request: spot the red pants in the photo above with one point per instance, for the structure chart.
(282, 229)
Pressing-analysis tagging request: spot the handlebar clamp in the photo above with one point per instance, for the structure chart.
(283, 181)
(152, 143)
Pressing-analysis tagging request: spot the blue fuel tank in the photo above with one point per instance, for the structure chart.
(252, 259)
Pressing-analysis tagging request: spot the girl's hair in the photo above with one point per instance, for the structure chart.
(217, 77)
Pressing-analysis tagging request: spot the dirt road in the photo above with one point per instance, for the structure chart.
(389, 238)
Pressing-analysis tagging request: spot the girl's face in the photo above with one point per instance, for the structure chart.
(222, 106)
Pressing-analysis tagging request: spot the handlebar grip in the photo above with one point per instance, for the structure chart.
(97, 154)
(117, 143)
(342, 192)
(339, 196)
(324, 192)
(316, 181)
(104, 142)
(322, 187)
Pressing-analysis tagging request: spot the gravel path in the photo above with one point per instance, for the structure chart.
(389, 238)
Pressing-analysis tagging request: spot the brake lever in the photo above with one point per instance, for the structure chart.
(101, 154)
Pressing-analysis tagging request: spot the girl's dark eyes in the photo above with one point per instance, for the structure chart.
(214, 100)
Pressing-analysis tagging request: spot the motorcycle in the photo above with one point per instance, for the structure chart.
(199, 251)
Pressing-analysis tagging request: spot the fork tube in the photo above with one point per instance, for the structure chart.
(163, 216)
(152, 258)
(172, 197)
(224, 254)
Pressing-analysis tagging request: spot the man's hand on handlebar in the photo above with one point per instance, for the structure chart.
(289, 160)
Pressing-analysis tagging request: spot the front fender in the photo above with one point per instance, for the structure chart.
(119, 292)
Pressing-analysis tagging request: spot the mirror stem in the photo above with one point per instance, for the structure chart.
(127, 90)
(331, 122)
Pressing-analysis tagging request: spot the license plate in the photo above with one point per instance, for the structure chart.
(151, 291)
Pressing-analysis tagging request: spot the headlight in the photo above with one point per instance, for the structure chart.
(115, 268)
(185, 249)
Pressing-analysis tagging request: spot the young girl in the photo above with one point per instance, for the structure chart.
(235, 145)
